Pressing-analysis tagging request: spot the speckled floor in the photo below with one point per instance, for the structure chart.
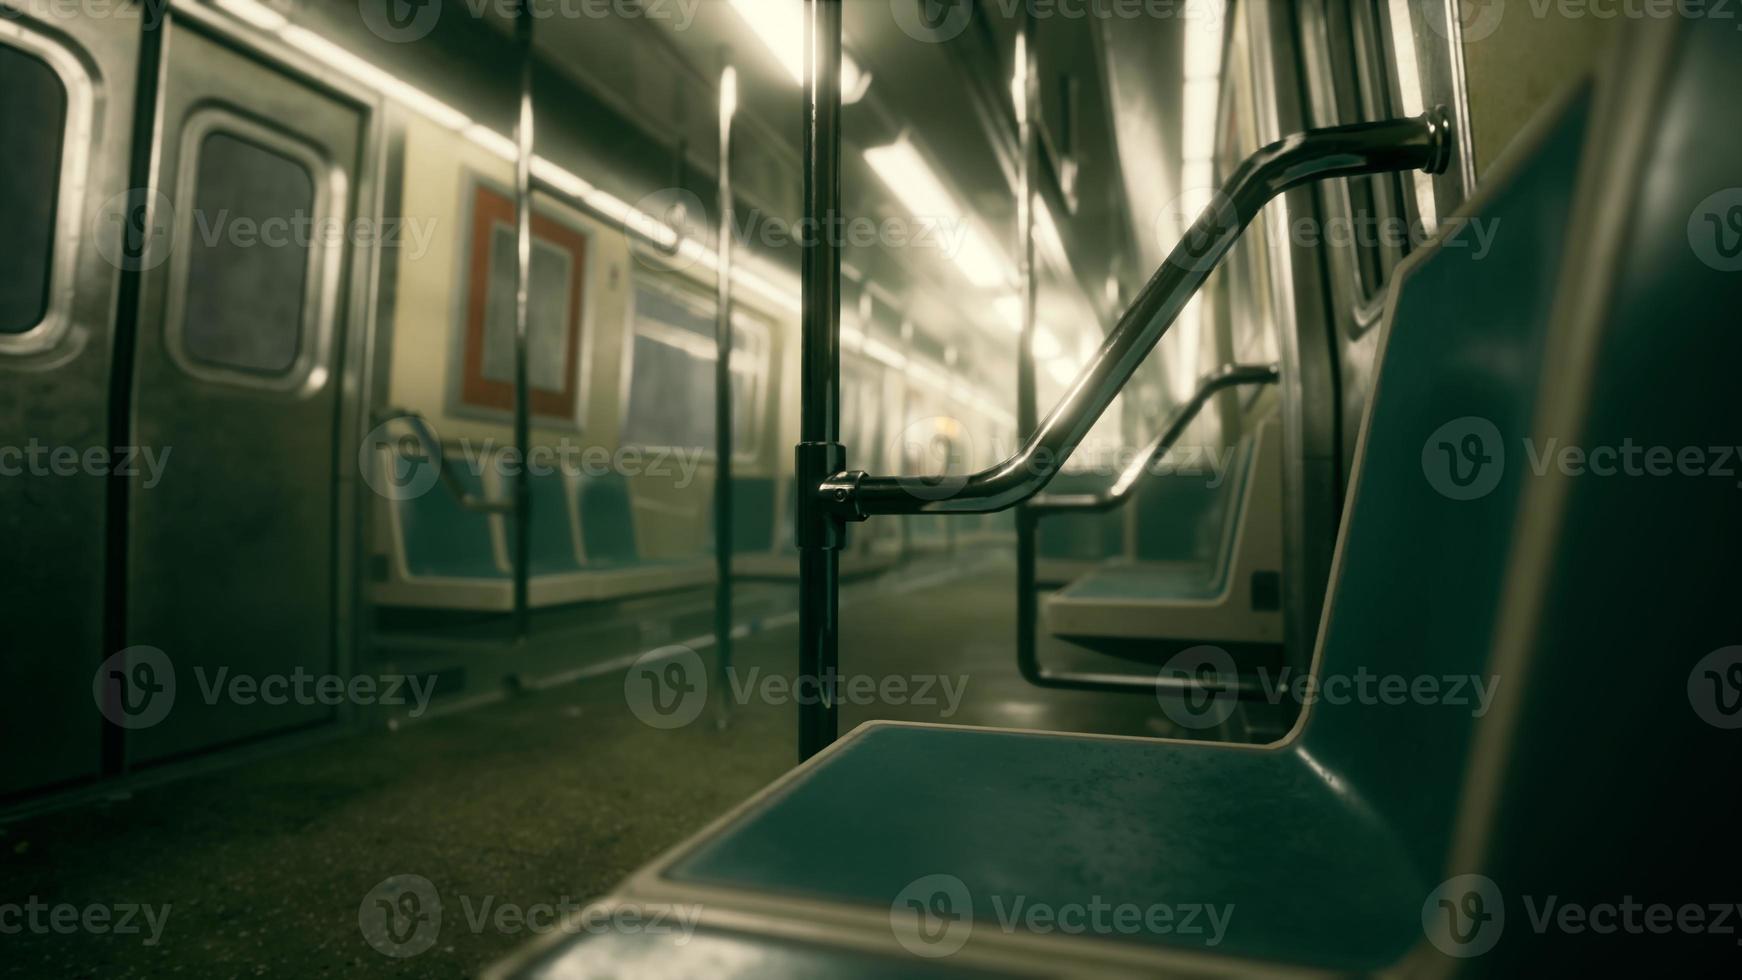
(543, 799)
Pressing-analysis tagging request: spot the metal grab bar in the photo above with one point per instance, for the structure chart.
(1420, 143)
(432, 448)
(1228, 376)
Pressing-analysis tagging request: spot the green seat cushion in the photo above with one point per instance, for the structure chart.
(442, 538)
(1312, 874)
(1147, 582)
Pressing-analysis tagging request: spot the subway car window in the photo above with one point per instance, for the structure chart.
(246, 298)
(786, 489)
(33, 115)
(1350, 58)
(671, 387)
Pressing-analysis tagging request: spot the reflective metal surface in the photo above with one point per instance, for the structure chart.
(1421, 143)
(1230, 376)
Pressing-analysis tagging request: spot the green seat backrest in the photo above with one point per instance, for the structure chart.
(1183, 516)
(752, 514)
(1621, 777)
(1080, 537)
(442, 538)
(553, 543)
(1416, 584)
(607, 520)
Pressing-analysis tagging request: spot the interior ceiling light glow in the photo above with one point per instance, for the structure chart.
(779, 25)
(901, 167)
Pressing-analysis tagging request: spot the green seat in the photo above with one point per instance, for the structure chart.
(1193, 559)
(1183, 581)
(753, 519)
(553, 542)
(607, 521)
(1080, 537)
(441, 538)
(1182, 518)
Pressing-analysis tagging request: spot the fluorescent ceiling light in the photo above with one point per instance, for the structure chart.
(728, 92)
(1204, 45)
(779, 25)
(1198, 118)
(1046, 346)
(493, 141)
(1046, 232)
(265, 18)
(911, 179)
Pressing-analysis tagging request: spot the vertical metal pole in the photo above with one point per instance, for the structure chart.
(723, 400)
(819, 453)
(1027, 611)
(522, 307)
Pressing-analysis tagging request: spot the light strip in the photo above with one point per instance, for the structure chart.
(905, 172)
(779, 25)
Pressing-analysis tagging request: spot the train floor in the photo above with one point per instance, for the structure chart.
(532, 804)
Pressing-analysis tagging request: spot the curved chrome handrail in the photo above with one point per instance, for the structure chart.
(1420, 143)
(1225, 377)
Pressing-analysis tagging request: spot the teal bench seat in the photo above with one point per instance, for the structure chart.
(1231, 598)
(584, 545)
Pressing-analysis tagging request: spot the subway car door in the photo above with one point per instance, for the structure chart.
(232, 556)
(66, 111)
